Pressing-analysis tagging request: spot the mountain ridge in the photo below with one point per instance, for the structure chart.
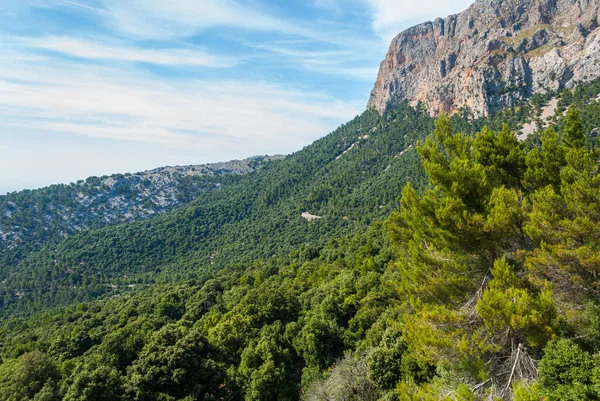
(64, 209)
(491, 56)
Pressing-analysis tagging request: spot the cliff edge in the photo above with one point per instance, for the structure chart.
(491, 56)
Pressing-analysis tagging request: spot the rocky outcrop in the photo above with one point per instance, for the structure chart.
(491, 56)
(29, 218)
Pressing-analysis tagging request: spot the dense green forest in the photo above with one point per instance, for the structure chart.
(481, 283)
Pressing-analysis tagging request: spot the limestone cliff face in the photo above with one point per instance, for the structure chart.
(491, 56)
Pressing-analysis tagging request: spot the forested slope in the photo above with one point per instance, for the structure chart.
(350, 178)
(31, 218)
(481, 284)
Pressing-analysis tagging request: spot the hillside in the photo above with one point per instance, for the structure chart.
(444, 245)
(28, 219)
(480, 285)
(351, 178)
(493, 55)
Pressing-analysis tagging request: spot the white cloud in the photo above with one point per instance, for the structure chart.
(333, 7)
(69, 120)
(182, 19)
(157, 18)
(390, 17)
(119, 106)
(101, 102)
(346, 63)
(165, 20)
(83, 6)
(95, 50)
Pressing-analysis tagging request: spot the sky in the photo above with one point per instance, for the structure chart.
(99, 87)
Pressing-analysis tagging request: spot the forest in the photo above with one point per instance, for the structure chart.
(465, 269)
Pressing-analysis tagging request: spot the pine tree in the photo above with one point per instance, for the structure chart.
(543, 167)
(502, 155)
(573, 136)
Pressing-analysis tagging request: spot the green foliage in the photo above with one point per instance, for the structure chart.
(567, 373)
(253, 217)
(386, 362)
(265, 371)
(490, 263)
(543, 167)
(481, 253)
(524, 392)
(175, 363)
(34, 376)
(32, 218)
(508, 303)
(573, 136)
(502, 156)
(93, 381)
(348, 380)
(319, 341)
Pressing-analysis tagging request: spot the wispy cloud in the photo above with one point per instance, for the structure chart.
(160, 19)
(129, 106)
(157, 19)
(82, 6)
(200, 81)
(118, 51)
(341, 63)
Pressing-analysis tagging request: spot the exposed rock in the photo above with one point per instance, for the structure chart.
(403, 152)
(346, 151)
(491, 56)
(310, 217)
(99, 201)
(548, 112)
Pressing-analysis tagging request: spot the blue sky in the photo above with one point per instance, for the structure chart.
(104, 86)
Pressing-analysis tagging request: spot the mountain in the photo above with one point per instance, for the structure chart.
(494, 55)
(463, 268)
(398, 258)
(30, 218)
(349, 178)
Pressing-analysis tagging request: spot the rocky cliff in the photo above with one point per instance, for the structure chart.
(491, 56)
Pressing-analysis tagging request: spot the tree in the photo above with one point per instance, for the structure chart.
(573, 136)
(528, 392)
(348, 380)
(512, 306)
(176, 362)
(34, 372)
(502, 155)
(94, 381)
(265, 371)
(566, 372)
(565, 226)
(543, 167)
(391, 362)
(319, 341)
